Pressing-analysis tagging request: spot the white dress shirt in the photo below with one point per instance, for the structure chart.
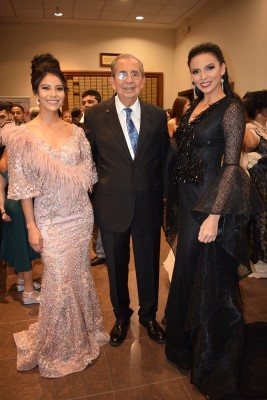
(136, 117)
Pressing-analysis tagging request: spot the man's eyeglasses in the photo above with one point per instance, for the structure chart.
(122, 75)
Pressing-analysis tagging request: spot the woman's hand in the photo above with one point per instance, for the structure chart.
(35, 238)
(6, 217)
(209, 229)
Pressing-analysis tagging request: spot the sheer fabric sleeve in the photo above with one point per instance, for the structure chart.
(231, 195)
(232, 192)
(24, 181)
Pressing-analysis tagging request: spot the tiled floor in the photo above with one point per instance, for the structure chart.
(137, 370)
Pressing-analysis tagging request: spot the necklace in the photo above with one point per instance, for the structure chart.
(264, 128)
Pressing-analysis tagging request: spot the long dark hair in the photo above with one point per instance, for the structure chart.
(178, 107)
(214, 49)
(41, 66)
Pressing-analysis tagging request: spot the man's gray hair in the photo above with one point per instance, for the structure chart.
(119, 57)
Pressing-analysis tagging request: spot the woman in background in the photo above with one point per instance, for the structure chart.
(15, 248)
(180, 106)
(66, 116)
(256, 150)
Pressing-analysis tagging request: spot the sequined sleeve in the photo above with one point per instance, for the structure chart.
(24, 182)
(232, 192)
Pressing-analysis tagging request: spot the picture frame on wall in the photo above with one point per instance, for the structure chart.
(107, 58)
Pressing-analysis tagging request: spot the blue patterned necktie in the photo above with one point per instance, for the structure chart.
(133, 134)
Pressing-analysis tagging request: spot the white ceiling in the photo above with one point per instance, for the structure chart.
(167, 14)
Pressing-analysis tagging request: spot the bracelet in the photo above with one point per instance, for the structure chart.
(3, 212)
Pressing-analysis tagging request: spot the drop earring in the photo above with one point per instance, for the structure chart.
(222, 80)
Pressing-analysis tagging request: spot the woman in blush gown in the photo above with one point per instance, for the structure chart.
(50, 161)
(209, 199)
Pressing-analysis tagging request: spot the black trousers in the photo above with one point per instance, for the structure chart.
(146, 248)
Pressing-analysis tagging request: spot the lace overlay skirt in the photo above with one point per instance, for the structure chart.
(70, 329)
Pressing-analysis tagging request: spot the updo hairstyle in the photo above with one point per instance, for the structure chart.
(43, 65)
(214, 49)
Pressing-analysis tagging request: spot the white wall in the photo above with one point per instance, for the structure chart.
(239, 27)
(77, 47)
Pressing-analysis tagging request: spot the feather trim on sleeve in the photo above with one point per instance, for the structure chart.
(33, 170)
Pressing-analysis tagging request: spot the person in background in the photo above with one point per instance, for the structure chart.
(5, 116)
(90, 98)
(15, 248)
(66, 116)
(76, 115)
(256, 149)
(5, 113)
(168, 113)
(180, 106)
(207, 206)
(51, 161)
(129, 138)
(18, 114)
(34, 111)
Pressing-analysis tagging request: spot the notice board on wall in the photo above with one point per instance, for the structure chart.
(79, 81)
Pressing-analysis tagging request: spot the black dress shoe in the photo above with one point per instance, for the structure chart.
(97, 261)
(154, 330)
(118, 332)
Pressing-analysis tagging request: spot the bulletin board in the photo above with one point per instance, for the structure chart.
(79, 81)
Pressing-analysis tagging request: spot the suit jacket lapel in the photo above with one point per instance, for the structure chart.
(144, 127)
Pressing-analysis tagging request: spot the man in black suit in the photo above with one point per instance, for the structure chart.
(128, 196)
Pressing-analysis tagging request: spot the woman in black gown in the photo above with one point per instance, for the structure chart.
(205, 327)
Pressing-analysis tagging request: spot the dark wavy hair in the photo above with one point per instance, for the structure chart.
(41, 66)
(255, 102)
(214, 49)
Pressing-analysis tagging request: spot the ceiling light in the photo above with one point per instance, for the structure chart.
(139, 17)
(58, 13)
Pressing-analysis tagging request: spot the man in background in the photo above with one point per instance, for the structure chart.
(90, 98)
(5, 113)
(18, 114)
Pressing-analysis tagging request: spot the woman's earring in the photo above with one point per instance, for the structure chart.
(222, 80)
(37, 101)
(194, 89)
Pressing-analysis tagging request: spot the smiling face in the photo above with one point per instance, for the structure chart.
(206, 73)
(128, 80)
(51, 93)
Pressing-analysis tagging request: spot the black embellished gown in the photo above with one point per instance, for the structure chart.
(205, 328)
